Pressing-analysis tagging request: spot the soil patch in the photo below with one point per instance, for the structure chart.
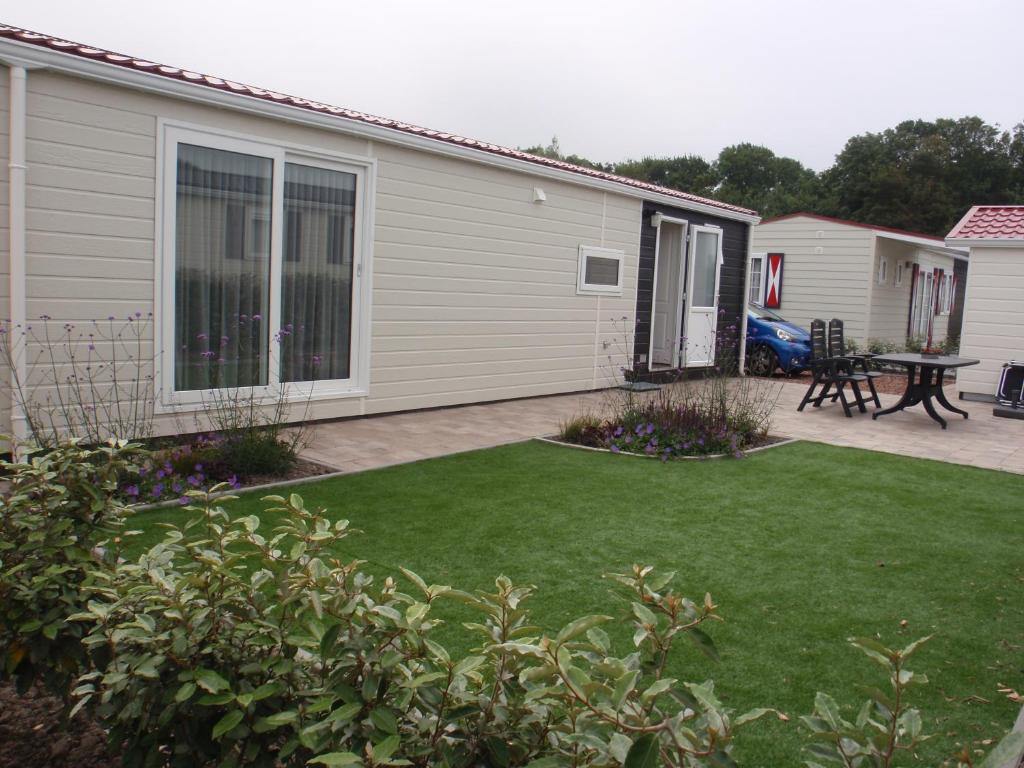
(301, 469)
(33, 734)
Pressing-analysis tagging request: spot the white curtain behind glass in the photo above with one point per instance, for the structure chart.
(222, 276)
(316, 280)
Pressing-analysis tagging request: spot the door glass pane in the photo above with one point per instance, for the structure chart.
(316, 280)
(705, 265)
(222, 268)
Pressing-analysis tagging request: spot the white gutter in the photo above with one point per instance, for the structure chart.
(985, 243)
(111, 73)
(743, 301)
(16, 231)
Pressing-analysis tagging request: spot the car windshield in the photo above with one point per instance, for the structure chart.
(765, 314)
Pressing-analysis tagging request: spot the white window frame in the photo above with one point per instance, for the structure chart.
(900, 267)
(946, 294)
(883, 270)
(596, 289)
(171, 133)
(763, 258)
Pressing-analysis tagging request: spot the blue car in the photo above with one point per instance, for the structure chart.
(773, 343)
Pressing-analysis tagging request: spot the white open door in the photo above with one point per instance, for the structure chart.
(668, 300)
(704, 269)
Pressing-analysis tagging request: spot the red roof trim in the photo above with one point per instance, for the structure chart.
(990, 222)
(208, 81)
(860, 224)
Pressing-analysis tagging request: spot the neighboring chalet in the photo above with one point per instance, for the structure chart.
(993, 328)
(885, 284)
(408, 268)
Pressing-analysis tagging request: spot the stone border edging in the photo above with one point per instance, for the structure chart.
(707, 457)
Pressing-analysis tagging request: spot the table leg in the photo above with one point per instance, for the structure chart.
(927, 401)
(941, 396)
(906, 399)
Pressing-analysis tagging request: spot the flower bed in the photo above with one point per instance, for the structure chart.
(168, 473)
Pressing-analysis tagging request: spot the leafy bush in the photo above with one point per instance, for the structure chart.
(226, 647)
(951, 345)
(256, 452)
(886, 725)
(882, 346)
(916, 344)
(58, 509)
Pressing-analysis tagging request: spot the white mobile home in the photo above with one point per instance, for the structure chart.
(383, 266)
(993, 328)
(884, 283)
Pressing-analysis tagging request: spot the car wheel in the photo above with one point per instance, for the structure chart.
(762, 361)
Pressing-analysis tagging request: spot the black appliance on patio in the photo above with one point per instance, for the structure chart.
(1011, 382)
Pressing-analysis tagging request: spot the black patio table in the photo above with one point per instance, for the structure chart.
(928, 384)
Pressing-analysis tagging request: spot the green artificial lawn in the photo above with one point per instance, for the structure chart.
(802, 546)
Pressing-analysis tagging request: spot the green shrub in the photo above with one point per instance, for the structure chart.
(257, 452)
(915, 344)
(882, 346)
(56, 514)
(225, 647)
(584, 429)
(951, 345)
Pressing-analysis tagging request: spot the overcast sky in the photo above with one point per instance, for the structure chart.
(613, 80)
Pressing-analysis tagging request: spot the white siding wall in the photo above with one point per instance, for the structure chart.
(890, 304)
(474, 284)
(993, 329)
(826, 270)
(5, 254)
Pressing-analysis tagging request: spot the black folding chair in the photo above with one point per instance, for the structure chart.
(857, 363)
(828, 372)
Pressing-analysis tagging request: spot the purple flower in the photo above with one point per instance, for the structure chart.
(316, 361)
(160, 474)
(183, 500)
(157, 491)
(614, 449)
(618, 432)
(650, 429)
(233, 482)
(199, 467)
(132, 490)
(639, 429)
(648, 449)
(256, 317)
(177, 487)
(138, 314)
(202, 336)
(193, 480)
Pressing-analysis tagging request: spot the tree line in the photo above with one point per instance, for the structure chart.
(920, 175)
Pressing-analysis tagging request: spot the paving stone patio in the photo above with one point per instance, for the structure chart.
(357, 444)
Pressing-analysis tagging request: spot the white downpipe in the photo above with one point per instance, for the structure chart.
(16, 211)
(743, 301)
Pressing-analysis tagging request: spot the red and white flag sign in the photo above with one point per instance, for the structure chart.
(773, 287)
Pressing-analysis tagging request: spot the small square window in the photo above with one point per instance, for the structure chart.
(600, 271)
